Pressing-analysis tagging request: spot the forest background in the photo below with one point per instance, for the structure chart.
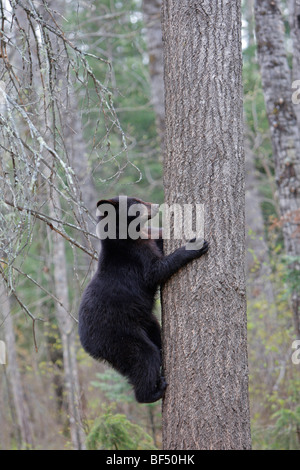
(98, 104)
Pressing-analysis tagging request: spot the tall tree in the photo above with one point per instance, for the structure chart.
(284, 130)
(204, 305)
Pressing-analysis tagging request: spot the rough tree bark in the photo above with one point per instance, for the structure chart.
(285, 133)
(204, 305)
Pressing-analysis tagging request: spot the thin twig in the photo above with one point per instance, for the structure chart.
(64, 235)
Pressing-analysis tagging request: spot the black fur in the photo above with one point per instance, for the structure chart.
(116, 322)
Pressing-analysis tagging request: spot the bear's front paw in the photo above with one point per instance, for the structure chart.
(162, 384)
(197, 244)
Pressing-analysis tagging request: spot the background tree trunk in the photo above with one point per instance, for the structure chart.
(258, 267)
(68, 330)
(294, 14)
(152, 19)
(285, 133)
(23, 426)
(204, 305)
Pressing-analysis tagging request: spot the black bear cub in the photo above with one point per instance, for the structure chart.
(116, 323)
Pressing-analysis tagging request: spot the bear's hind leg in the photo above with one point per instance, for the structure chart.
(150, 396)
(141, 364)
(149, 385)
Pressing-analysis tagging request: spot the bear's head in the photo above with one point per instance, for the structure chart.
(123, 217)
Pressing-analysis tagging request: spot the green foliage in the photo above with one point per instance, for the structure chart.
(287, 429)
(115, 432)
(283, 434)
(292, 275)
(274, 379)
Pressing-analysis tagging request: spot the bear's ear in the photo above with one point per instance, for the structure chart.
(107, 201)
(101, 211)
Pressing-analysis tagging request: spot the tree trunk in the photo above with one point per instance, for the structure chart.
(152, 19)
(285, 133)
(257, 250)
(68, 329)
(258, 267)
(204, 305)
(23, 425)
(249, 6)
